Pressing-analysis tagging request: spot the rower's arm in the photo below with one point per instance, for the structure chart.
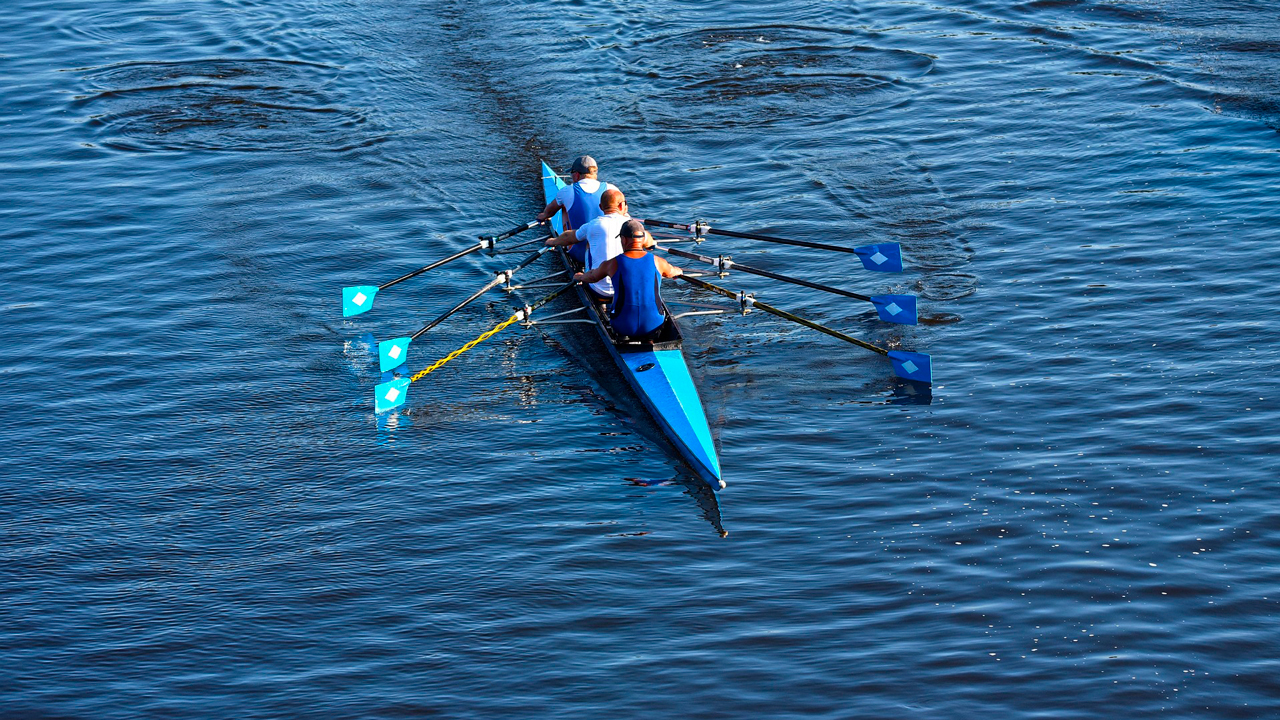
(666, 269)
(568, 237)
(602, 271)
(552, 208)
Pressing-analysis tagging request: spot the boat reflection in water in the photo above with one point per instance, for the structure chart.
(696, 488)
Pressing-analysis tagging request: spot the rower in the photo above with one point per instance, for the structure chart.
(579, 200)
(599, 239)
(637, 310)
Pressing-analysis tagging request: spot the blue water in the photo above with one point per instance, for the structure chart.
(202, 516)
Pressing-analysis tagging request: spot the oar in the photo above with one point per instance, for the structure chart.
(392, 394)
(909, 365)
(394, 352)
(359, 298)
(880, 257)
(899, 309)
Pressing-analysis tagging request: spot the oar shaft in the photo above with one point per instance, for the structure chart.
(820, 328)
(785, 315)
(502, 276)
(803, 283)
(485, 242)
(517, 316)
(517, 246)
(488, 286)
(513, 231)
(732, 265)
(549, 297)
(434, 265)
(753, 236)
(530, 258)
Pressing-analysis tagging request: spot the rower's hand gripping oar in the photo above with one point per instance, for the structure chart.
(392, 394)
(880, 257)
(909, 365)
(359, 298)
(899, 309)
(394, 352)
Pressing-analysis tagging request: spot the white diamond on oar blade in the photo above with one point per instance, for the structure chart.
(909, 366)
(893, 308)
(394, 352)
(392, 394)
(878, 258)
(359, 298)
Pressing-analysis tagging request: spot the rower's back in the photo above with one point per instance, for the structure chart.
(637, 309)
(585, 205)
(581, 200)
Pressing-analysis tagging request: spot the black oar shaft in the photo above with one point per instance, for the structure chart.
(513, 231)
(530, 258)
(433, 266)
(488, 286)
(501, 277)
(754, 236)
(549, 297)
(820, 328)
(732, 265)
(786, 315)
(517, 316)
(484, 243)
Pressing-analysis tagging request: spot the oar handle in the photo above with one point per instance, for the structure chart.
(527, 310)
(692, 256)
(530, 258)
(752, 302)
(708, 286)
(688, 227)
(693, 227)
(513, 231)
(724, 264)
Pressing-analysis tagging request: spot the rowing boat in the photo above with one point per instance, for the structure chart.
(656, 370)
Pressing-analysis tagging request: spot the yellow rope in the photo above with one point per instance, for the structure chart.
(497, 329)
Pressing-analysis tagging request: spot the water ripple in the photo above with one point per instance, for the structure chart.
(220, 104)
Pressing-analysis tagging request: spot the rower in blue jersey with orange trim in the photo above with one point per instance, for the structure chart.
(637, 310)
(580, 200)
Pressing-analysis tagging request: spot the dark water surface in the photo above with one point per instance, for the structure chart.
(202, 517)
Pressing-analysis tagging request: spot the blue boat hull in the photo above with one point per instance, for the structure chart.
(657, 372)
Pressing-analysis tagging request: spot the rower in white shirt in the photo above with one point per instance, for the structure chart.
(600, 238)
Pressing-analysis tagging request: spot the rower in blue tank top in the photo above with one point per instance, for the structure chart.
(580, 200)
(637, 310)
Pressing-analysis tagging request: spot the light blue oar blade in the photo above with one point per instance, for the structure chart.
(392, 353)
(881, 257)
(357, 299)
(899, 309)
(390, 395)
(912, 365)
